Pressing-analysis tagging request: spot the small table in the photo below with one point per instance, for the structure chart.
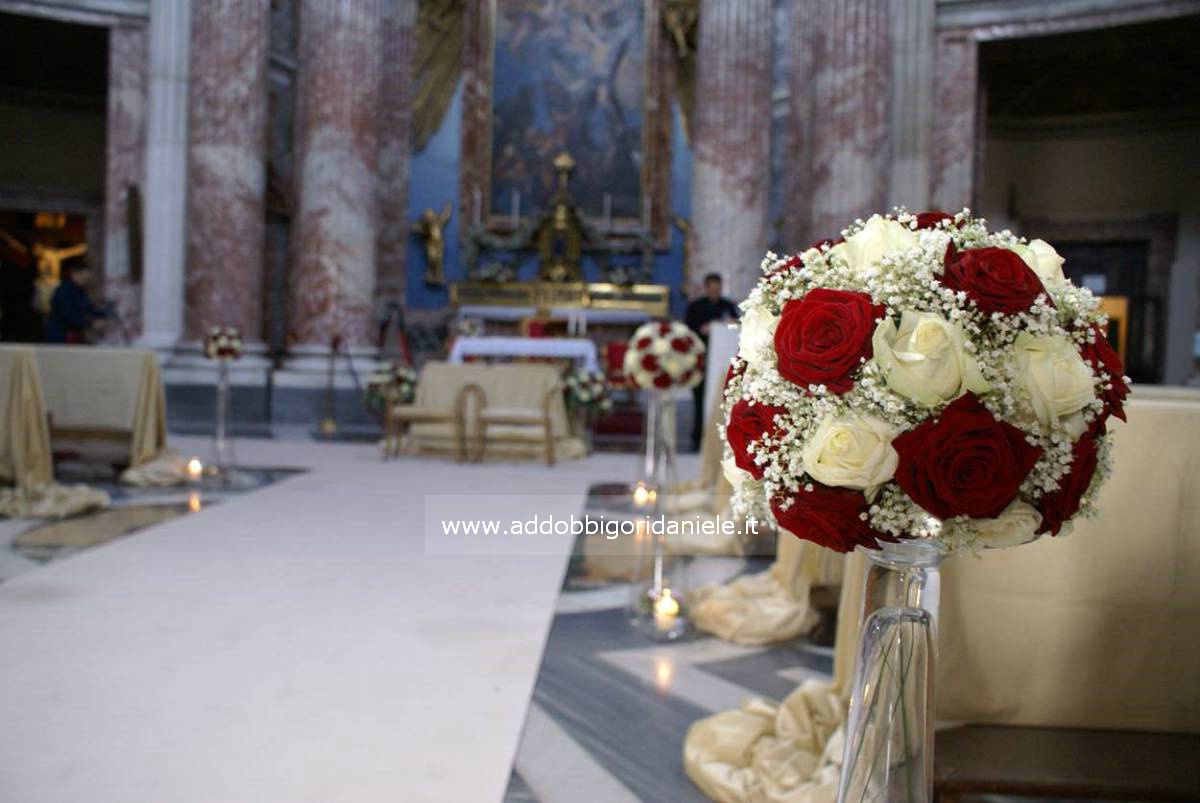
(1066, 763)
(580, 350)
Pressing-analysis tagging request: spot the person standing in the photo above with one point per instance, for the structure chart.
(712, 307)
(72, 313)
(19, 321)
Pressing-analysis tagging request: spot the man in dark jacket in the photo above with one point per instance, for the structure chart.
(72, 314)
(701, 314)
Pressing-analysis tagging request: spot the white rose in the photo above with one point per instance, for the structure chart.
(880, 237)
(1018, 524)
(660, 346)
(757, 336)
(643, 379)
(925, 359)
(1041, 257)
(672, 366)
(1057, 381)
(734, 475)
(852, 452)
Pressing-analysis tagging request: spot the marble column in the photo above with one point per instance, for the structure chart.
(732, 155)
(912, 42)
(165, 195)
(332, 280)
(395, 148)
(956, 120)
(850, 114)
(227, 168)
(125, 161)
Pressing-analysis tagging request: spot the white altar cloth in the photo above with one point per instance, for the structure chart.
(299, 643)
(582, 351)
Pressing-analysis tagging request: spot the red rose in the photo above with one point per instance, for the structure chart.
(643, 343)
(662, 381)
(831, 517)
(965, 462)
(664, 329)
(793, 262)
(1102, 357)
(736, 368)
(822, 338)
(682, 344)
(748, 423)
(1059, 506)
(996, 279)
(929, 220)
(649, 363)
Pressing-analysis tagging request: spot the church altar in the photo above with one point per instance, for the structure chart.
(579, 350)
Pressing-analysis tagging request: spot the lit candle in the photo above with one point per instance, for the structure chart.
(641, 495)
(194, 469)
(666, 611)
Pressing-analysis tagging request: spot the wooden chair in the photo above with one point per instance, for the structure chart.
(517, 424)
(398, 418)
(1117, 310)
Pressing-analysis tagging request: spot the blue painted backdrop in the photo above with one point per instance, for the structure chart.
(435, 181)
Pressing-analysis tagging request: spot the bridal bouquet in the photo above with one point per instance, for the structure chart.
(391, 382)
(920, 377)
(588, 391)
(223, 343)
(663, 356)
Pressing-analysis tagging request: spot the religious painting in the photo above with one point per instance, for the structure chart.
(568, 76)
(584, 77)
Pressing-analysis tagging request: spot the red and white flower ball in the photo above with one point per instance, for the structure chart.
(664, 355)
(223, 343)
(921, 377)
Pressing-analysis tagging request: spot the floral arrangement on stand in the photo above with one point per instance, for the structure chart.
(393, 383)
(921, 377)
(664, 356)
(587, 391)
(917, 387)
(661, 357)
(223, 343)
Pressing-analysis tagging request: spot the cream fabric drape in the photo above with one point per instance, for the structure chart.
(101, 398)
(25, 457)
(786, 752)
(1100, 629)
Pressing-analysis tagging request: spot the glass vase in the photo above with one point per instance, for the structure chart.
(657, 602)
(222, 444)
(888, 754)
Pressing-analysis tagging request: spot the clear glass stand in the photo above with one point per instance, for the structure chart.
(889, 734)
(657, 604)
(223, 459)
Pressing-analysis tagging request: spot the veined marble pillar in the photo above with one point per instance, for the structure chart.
(165, 196)
(332, 280)
(912, 42)
(125, 161)
(227, 169)
(850, 113)
(955, 140)
(395, 148)
(732, 154)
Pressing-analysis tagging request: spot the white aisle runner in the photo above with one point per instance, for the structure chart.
(294, 644)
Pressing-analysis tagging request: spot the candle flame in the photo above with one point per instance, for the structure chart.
(666, 604)
(194, 469)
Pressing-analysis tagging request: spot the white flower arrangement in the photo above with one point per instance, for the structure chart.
(665, 355)
(391, 382)
(588, 390)
(223, 343)
(920, 377)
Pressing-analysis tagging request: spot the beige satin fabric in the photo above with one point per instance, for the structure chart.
(1098, 629)
(511, 385)
(786, 752)
(105, 397)
(166, 470)
(25, 457)
(51, 501)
